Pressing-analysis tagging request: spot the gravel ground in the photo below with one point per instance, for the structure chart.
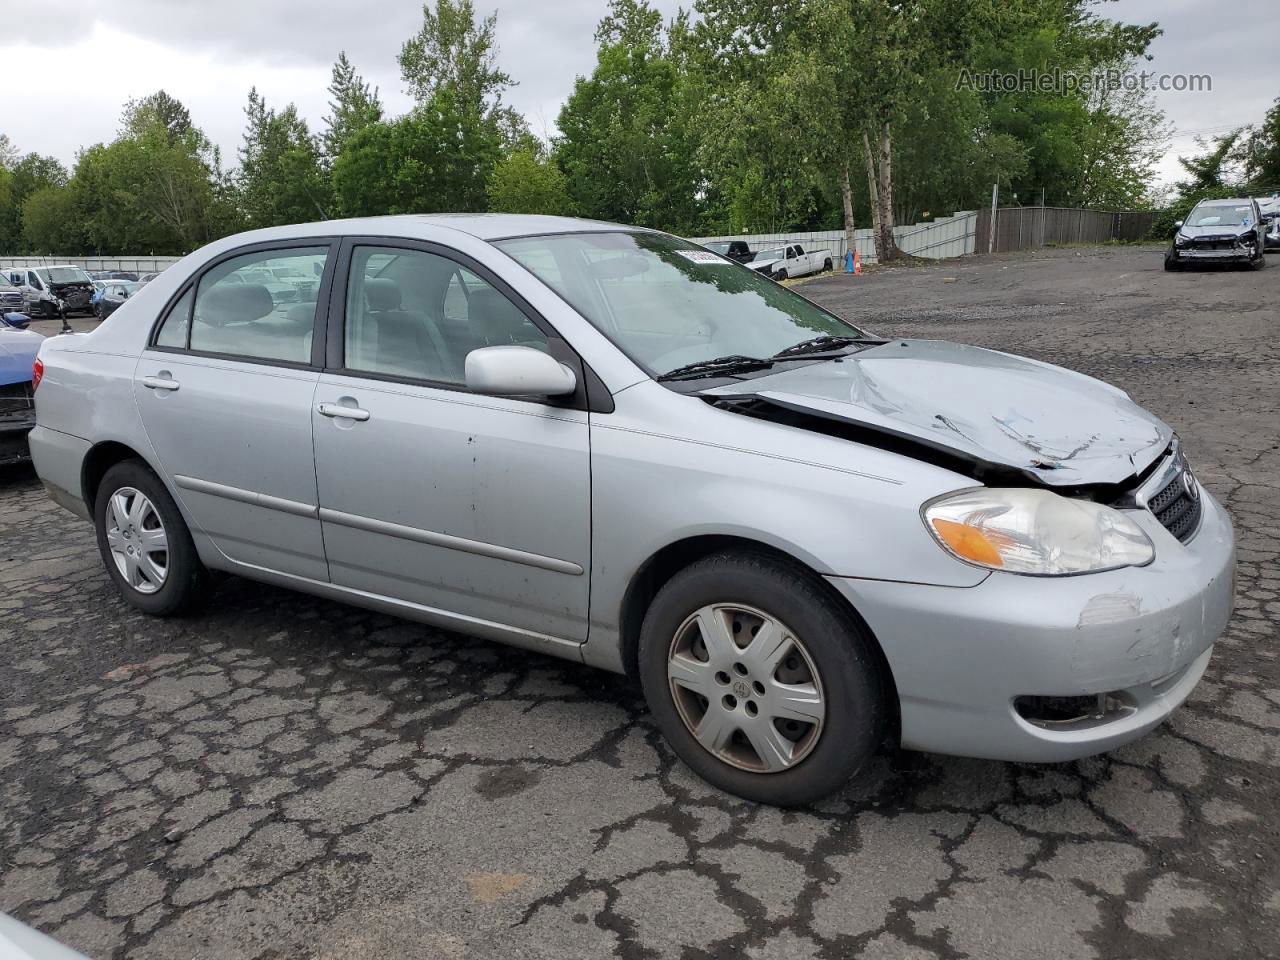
(284, 777)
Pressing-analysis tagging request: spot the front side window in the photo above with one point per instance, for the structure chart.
(242, 310)
(417, 315)
(668, 303)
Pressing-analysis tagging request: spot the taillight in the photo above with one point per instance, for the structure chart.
(37, 374)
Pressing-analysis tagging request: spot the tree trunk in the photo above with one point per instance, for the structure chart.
(846, 195)
(872, 191)
(886, 245)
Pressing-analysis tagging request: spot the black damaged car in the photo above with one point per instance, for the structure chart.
(1219, 231)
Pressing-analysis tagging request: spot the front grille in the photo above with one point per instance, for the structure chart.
(11, 299)
(16, 398)
(1213, 244)
(1176, 507)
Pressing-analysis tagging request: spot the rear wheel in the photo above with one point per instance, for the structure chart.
(145, 543)
(826, 264)
(761, 682)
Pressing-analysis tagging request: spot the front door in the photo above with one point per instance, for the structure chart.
(475, 507)
(225, 392)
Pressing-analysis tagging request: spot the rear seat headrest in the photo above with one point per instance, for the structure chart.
(235, 303)
(382, 293)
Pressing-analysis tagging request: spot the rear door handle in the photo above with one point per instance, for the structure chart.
(160, 383)
(341, 411)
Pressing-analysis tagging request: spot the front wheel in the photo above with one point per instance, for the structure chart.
(1171, 261)
(145, 543)
(761, 682)
(780, 275)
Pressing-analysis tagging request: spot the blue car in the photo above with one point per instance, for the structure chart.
(18, 349)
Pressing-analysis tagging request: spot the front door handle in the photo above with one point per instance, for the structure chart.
(160, 383)
(341, 411)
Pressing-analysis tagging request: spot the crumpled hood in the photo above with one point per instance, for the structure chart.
(1224, 230)
(1055, 426)
(18, 349)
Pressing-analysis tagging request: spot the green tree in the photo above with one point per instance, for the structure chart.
(453, 51)
(526, 181)
(353, 107)
(157, 188)
(434, 159)
(49, 224)
(27, 174)
(625, 146)
(159, 111)
(1261, 152)
(280, 178)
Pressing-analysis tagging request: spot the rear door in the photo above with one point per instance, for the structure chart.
(225, 391)
(474, 507)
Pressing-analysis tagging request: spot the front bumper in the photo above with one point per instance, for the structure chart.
(961, 656)
(1238, 254)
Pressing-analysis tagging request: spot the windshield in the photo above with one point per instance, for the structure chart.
(667, 303)
(1221, 215)
(718, 246)
(777, 253)
(67, 275)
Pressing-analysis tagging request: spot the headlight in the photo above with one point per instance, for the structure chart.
(1036, 532)
(1180, 240)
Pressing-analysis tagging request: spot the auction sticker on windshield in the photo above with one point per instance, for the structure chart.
(704, 256)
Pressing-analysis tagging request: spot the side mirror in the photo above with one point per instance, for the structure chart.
(518, 372)
(1177, 225)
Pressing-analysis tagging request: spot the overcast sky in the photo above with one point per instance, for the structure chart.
(68, 65)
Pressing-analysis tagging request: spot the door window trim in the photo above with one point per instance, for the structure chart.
(590, 393)
(320, 323)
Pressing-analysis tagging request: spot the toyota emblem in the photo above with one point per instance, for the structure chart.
(1189, 484)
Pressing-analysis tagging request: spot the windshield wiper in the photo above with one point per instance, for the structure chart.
(819, 345)
(734, 363)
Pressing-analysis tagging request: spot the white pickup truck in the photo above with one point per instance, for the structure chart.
(790, 260)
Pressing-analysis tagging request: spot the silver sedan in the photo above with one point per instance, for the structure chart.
(611, 445)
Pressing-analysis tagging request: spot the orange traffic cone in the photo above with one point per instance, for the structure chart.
(857, 263)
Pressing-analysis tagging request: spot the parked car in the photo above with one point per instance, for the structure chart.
(147, 277)
(43, 287)
(10, 296)
(791, 260)
(602, 443)
(1219, 231)
(18, 349)
(736, 250)
(1269, 207)
(114, 294)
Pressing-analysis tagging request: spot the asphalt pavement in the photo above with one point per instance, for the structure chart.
(283, 777)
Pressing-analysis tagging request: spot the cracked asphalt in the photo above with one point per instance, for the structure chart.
(285, 777)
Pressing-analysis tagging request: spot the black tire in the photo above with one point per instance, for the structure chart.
(780, 275)
(827, 265)
(835, 643)
(1171, 263)
(1259, 262)
(186, 585)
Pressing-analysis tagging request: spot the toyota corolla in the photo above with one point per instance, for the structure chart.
(614, 446)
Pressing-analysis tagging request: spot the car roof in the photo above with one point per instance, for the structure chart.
(1230, 202)
(483, 226)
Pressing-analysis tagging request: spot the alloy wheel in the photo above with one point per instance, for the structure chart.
(746, 688)
(137, 540)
